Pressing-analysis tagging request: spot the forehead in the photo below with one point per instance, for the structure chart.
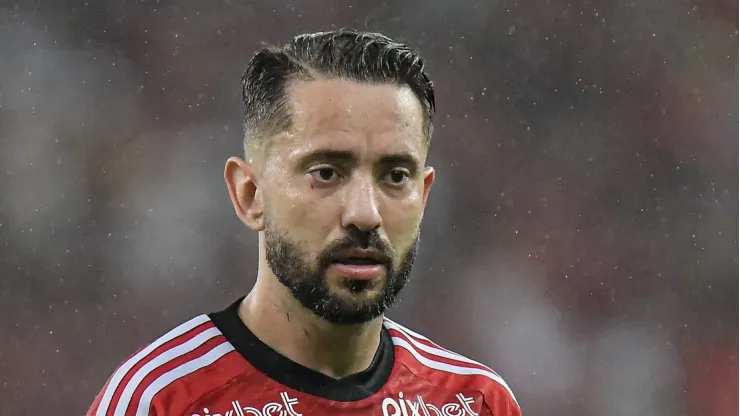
(346, 114)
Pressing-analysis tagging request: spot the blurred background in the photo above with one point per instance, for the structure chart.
(581, 238)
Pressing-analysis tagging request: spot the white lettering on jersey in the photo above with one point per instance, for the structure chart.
(286, 407)
(417, 407)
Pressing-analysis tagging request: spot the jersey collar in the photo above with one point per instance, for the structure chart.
(296, 376)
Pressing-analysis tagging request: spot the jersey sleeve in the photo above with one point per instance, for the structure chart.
(113, 394)
(150, 382)
(95, 409)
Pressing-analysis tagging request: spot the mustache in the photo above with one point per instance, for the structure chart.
(357, 239)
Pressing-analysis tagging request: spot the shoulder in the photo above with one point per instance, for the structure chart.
(138, 382)
(443, 367)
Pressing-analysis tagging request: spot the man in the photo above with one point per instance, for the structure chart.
(337, 128)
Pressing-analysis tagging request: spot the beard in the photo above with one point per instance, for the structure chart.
(308, 281)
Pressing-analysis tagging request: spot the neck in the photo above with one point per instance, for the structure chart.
(279, 321)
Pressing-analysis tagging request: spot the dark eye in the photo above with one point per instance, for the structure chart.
(397, 176)
(324, 174)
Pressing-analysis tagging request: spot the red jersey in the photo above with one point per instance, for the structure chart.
(213, 365)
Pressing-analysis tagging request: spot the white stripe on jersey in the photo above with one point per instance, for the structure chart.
(435, 350)
(131, 362)
(411, 334)
(437, 365)
(169, 377)
(165, 357)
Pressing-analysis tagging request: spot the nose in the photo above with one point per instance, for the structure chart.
(361, 206)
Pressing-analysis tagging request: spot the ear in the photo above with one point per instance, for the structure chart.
(428, 181)
(245, 193)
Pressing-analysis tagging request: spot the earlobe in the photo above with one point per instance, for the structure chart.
(244, 191)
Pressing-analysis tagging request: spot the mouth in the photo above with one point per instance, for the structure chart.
(357, 261)
(360, 265)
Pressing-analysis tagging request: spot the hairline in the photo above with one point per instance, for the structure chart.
(260, 141)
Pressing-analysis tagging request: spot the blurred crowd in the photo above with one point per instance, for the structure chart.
(581, 237)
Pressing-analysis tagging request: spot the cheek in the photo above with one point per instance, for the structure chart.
(306, 219)
(402, 222)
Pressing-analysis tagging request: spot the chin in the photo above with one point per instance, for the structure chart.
(360, 288)
(354, 298)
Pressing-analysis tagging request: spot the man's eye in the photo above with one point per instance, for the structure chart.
(397, 176)
(324, 174)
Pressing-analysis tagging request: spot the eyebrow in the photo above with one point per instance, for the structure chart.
(390, 159)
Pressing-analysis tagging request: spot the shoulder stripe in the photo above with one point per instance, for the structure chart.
(454, 369)
(396, 325)
(411, 334)
(121, 372)
(410, 343)
(433, 349)
(181, 371)
(128, 397)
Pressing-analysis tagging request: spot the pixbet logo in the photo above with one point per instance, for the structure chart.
(286, 407)
(417, 407)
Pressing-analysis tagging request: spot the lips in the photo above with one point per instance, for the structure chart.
(360, 257)
(361, 265)
(357, 261)
(359, 271)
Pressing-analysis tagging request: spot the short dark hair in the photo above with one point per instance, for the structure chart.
(344, 53)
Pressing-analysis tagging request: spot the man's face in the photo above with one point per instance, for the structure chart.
(344, 192)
